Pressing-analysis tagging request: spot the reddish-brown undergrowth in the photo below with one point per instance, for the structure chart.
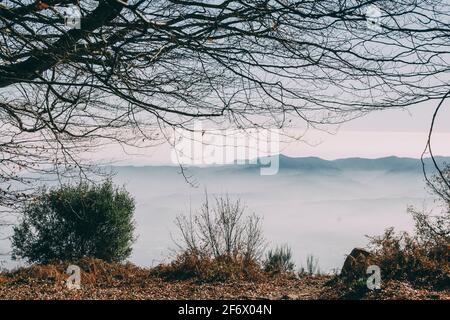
(206, 269)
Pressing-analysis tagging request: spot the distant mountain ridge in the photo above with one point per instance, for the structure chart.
(388, 164)
(391, 163)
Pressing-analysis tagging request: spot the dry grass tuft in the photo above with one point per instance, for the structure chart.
(201, 268)
(93, 272)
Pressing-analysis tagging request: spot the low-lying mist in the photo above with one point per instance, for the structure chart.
(318, 207)
(324, 211)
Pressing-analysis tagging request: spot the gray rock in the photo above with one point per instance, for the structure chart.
(356, 263)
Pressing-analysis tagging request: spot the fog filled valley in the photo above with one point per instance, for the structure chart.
(318, 207)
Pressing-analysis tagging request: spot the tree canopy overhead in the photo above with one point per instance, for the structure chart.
(134, 67)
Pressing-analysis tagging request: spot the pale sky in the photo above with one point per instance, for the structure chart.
(400, 133)
(384, 133)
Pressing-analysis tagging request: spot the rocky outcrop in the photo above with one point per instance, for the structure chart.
(356, 263)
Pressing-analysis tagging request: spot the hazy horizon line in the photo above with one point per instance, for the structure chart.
(280, 155)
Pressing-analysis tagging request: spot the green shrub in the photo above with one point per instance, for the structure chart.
(279, 260)
(76, 221)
